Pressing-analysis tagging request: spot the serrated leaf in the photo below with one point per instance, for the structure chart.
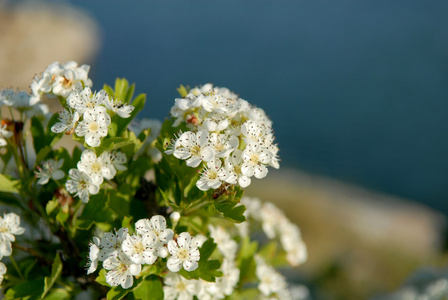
(8, 185)
(231, 211)
(56, 270)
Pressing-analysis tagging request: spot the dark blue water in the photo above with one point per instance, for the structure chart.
(357, 90)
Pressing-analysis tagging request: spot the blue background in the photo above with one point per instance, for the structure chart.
(357, 90)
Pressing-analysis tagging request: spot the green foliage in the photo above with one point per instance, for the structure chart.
(56, 271)
(150, 288)
(8, 184)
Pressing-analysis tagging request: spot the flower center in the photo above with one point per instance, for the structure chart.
(93, 127)
(82, 184)
(195, 150)
(4, 229)
(254, 159)
(96, 167)
(122, 268)
(139, 248)
(180, 286)
(183, 254)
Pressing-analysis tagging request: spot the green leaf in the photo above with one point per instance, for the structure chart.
(112, 143)
(38, 134)
(117, 293)
(231, 211)
(27, 290)
(42, 154)
(8, 185)
(246, 261)
(51, 208)
(58, 294)
(183, 91)
(56, 270)
(150, 288)
(101, 279)
(96, 210)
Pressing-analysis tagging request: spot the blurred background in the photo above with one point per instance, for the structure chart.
(357, 91)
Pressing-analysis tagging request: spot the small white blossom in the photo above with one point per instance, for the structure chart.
(212, 176)
(255, 158)
(141, 249)
(270, 280)
(157, 226)
(226, 245)
(97, 168)
(178, 288)
(4, 134)
(93, 257)
(122, 109)
(93, 127)
(118, 160)
(112, 243)
(84, 100)
(67, 121)
(9, 228)
(175, 216)
(50, 169)
(184, 253)
(194, 148)
(2, 272)
(122, 270)
(81, 185)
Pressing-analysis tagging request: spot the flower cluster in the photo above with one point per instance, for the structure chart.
(123, 254)
(92, 170)
(275, 225)
(9, 228)
(87, 115)
(60, 80)
(232, 139)
(23, 103)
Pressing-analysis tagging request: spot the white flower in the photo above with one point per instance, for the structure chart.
(255, 158)
(291, 240)
(226, 284)
(226, 245)
(233, 165)
(118, 159)
(93, 255)
(270, 280)
(81, 185)
(184, 253)
(122, 109)
(93, 127)
(223, 144)
(84, 101)
(194, 148)
(50, 169)
(9, 227)
(111, 243)
(96, 167)
(212, 176)
(141, 248)
(2, 271)
(4, 134)
(156, 226)
(67, 121)
(61, 79)
(121, 271)
(178, 288)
